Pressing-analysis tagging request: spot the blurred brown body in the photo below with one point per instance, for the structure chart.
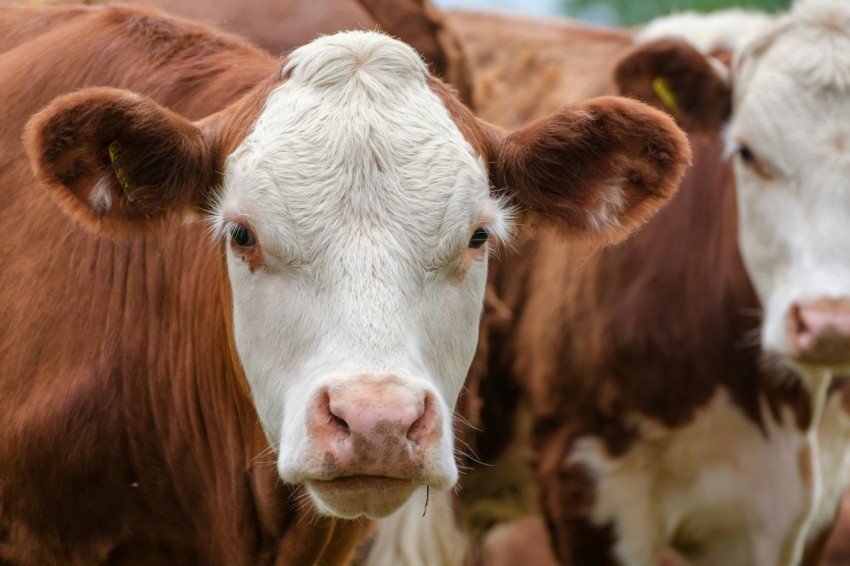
(281, 26)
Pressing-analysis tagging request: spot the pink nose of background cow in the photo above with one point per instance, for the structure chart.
(375, 427)
(819, 331)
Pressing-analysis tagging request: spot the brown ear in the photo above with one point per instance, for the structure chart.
(599, 168)
(672, 75)
(118, 160)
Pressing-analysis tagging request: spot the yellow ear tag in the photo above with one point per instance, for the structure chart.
(662, 90)
(115, 151)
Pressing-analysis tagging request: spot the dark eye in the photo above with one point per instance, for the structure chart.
(242, 236)
(746, 154)
(479, 238)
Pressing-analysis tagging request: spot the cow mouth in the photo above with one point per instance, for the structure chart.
(362, 481)
(361, 495)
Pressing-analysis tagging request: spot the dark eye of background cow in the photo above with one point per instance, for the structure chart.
(746, 154)
(242, 236)
(479, 238)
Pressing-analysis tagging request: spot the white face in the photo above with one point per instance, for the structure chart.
(790, 132)
(356, 311)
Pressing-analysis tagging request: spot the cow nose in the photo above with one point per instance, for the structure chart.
(361, 419)
(378, 416)
(819, 331)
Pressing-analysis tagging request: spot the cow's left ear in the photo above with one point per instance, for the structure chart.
(598, 169)
(673, 75)
(118, 160)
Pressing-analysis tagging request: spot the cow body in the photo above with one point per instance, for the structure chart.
(660, 433)
(249, 389)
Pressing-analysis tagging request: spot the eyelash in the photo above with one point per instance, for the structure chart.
(242, 236)
(479, 238)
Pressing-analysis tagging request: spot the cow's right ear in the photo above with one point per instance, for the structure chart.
(599, 169)
(119, 161)
(674, 76)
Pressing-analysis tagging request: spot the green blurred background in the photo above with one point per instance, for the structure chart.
(629, 12)
(612, 12)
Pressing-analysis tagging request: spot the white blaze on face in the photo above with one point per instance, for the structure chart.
(792, 115)
(362, 194)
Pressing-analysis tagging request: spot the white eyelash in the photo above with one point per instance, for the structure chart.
(501, 228)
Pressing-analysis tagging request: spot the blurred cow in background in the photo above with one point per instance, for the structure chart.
(662, 432)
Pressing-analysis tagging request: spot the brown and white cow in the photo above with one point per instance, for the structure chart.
(242, 389)
(783, 113)
(661, 434)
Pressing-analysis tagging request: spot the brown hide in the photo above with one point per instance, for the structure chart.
(282, 25)
(525, 67)
(654, 326)
(102, 354)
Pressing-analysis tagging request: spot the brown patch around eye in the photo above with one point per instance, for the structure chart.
(244, 244)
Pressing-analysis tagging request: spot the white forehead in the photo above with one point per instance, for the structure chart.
(723, 29)
(809, 43)
(796, 69)
(354, 139)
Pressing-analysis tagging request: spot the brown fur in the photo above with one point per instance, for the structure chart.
(654, 326)
(283, 25)
(524, 68)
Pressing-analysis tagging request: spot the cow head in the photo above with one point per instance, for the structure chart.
(784, 109)
(355, 200)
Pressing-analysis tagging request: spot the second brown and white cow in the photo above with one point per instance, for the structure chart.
(184, 392)
(783, 112)
(661, 435)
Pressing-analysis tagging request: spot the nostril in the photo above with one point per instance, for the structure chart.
(340, 422)
(331, 416)
(820, 330)
(800, 327)
(421, 426)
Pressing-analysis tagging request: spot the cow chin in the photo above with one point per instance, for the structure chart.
(351, 497)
